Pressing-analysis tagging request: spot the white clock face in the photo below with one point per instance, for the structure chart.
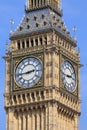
(68, 76)
(28, 72)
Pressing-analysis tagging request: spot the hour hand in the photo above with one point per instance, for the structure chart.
(69, 76)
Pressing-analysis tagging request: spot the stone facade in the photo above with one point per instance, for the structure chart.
(47, 105)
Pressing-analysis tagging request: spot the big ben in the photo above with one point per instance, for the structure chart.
(42, 84)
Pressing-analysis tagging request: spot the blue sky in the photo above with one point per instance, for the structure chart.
(74, 14)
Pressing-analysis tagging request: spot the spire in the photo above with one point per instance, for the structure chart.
(11, 25)
(75, 30)
(37, 4)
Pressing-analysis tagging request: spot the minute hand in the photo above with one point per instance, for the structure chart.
(28, 72)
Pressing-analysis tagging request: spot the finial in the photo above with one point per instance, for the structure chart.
(7, 48)
(78, 51)
(74, 30)
(11, 25)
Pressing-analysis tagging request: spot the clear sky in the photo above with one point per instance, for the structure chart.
(74, 14)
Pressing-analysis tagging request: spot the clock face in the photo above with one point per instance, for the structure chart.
(28, 72)
(68, 76)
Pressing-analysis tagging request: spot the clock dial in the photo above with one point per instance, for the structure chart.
(28, 72)
(68, 76)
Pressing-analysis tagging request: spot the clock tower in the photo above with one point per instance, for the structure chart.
(42, 85)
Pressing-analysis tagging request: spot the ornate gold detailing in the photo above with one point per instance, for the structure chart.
(40, 83)
(75, 67)
(16, 87)
(17, 60)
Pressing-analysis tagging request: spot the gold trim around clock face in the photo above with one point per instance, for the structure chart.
(68, 75)
(28, 72)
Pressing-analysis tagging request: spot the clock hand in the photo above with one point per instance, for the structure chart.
(69, 76)
(28, 72)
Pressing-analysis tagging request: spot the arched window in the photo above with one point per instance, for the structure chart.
(28, 27)
(35, 2)
(45, 23)
(23, 44)
(31, 3)
(37, 24)
(36, 41)
(41, 40)
(38, 3)
(27, 43)
(41, 2)
(20, 28)
(32, 42)
(18, 44)
(45, 40)
(27, 20)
